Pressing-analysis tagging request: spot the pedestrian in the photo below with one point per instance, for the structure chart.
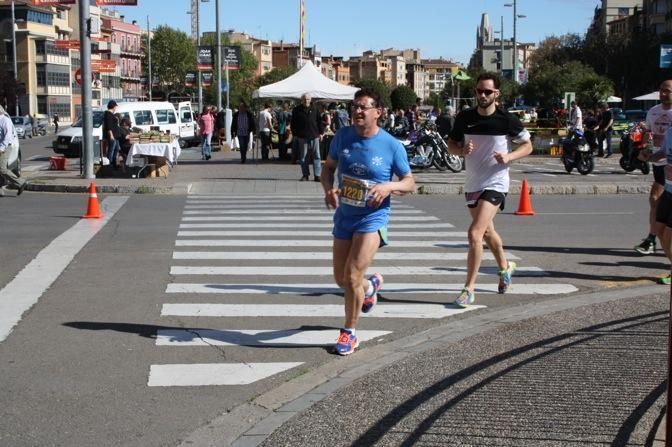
(663, 218)
(284, 118)
(658, 120)
(111, 133)
(264, 126)
(56, 121)
(6, 143)
(444, 123)
(33, 128)
(241, 127)
(366, 158)
(206, 124)
(605, 130)
(590, 125)
(575, 117)
(341, 117)
(483, 135)
(306, 128)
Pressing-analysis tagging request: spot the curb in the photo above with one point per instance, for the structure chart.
(249, 424)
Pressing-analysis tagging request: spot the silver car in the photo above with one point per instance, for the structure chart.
(14, 157)
(23, 127)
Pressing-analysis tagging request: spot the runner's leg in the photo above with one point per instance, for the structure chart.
(482, 216)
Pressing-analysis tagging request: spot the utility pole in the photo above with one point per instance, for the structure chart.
(150, 81)
(219, 58)
(87, 111)
(16, 67)
(515, 47)
(501, 44)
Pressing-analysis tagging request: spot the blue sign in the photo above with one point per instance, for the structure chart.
(223, 87)
(665, 56)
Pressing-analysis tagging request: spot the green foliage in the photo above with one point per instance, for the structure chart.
(403, 97)
(379, 86)
(173, 55)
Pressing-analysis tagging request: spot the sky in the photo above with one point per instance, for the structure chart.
(439, 28)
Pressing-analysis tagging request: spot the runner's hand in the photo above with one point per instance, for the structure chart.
(331, 198)
(502, 157)
(378, 193)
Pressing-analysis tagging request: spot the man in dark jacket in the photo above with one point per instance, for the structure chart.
(111, 133)
(307, 127)
(241, 126)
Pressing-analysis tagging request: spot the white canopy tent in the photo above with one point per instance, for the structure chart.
(309, 81)
(653, 96)
(614, 99)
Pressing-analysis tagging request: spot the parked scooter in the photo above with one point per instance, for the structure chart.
(576, 153)
(634, 140)
(41, 129)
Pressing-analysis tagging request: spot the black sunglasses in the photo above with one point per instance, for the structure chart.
(486, 92)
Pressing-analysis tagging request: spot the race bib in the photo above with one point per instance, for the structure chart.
(354, 191)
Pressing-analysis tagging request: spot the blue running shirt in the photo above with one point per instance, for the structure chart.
(363, 162)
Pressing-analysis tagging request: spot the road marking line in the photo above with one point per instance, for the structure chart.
(302, 243)
(382, 310)
(206, 374)
(252, 337)
(391, 227)
(324, 255)
(390, 288)
(317, 211)
(397, 270)
(330, 218)
(24, 291)
(269, 207)
(238, 233)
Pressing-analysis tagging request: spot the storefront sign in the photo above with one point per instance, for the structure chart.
(231, 57)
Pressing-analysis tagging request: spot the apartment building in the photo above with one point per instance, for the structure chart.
(439, 73)
(340, 67)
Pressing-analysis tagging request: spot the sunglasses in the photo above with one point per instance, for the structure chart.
(486, 92)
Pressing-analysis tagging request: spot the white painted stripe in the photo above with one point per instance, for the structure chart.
(301, 243)
(204, 374)
(317, 211)
(21, 293)
(296, 219)
(384, 310)
(388, 288)
(396, 270)
(251, 337)
(324, 255)
(591, 213)
(391, 227)
(265, 198)
(191, 201)
(304, 233)
(269, 207)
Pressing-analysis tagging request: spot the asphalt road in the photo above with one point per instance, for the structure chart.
(78, 368)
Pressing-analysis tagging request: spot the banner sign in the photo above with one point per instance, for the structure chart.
(206, 78)
(53, 2)
(204, 58)
(665, 56)
(231, 57)
(189, 79)
(116, 2)
(67, 44)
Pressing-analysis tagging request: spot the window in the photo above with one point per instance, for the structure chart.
(143, 117)
(166, 116)
(41, 76)
(40, 47)
(39, 17)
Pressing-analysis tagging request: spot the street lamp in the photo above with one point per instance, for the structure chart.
(516, 16)
(16, 69)
(501, 45)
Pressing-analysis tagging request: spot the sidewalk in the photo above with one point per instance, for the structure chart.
(588, 369)
(225, 174)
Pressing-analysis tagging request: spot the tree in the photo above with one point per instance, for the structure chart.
(379, 86)
(173, 55)
(403, 97)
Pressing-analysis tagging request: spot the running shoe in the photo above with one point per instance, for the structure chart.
(466, 298)
(505, 277)
(665, 280)
(370, 301)
(647, 247)
(346, 343)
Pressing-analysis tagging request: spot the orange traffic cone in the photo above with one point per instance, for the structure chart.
(525, 206)
(93, 211)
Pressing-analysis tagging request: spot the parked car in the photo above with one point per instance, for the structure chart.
(624, 118)
(23, 127)
(14, 157)
(144, 115)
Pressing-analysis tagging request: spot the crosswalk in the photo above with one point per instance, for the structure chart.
(265, 262)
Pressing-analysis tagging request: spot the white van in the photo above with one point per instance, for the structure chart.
(143, 115)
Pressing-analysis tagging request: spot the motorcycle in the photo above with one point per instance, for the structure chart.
(576, 153)
(41, 130)
(425, 148)
(634, 140)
